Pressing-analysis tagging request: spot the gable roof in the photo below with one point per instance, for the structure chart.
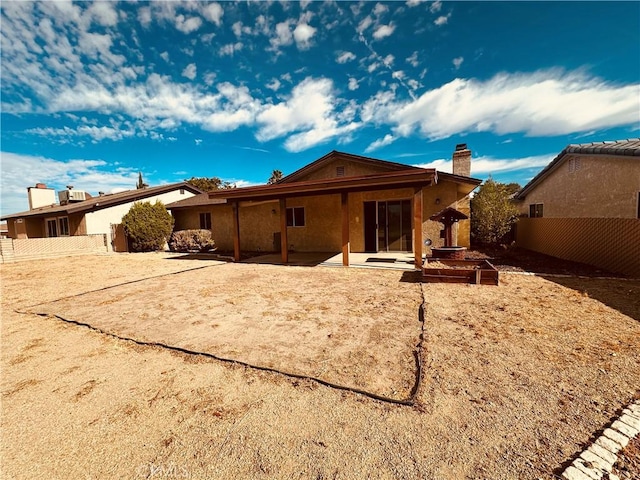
(104, 201)
(334, 155)
(630, 147)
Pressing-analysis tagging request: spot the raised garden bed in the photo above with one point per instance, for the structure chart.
(440, 270)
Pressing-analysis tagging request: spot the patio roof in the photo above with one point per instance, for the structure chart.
(379, 181)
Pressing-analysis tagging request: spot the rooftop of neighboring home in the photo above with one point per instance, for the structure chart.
(42, 200)
(627, 148)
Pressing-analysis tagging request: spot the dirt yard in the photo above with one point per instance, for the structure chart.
(517, 379)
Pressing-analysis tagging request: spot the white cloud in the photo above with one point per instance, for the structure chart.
(365, 23)
(489, 165)
(442, 20)
(213, 12)
(457, 62)
(380, 9)
(435, 6)
(198, 141)
(22, 171)
(381, 142)
(310, 110)
(283, 35)
(542, 103)
(413, 59)
(414, 3)
(345, 57)
(188, 25)
(165, 56)
(103, 13)
(66, 134)
(353, 84)
(383, 31)
(230, 49)
(144, 16)
(303, 34)
(274, 84)
(190, 71)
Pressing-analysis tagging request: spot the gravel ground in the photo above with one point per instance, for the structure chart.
(517, 379)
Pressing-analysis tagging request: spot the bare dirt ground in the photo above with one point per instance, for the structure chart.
(517, 379)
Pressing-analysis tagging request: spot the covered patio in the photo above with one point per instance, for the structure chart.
(414, 180)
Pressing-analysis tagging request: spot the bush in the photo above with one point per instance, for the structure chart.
(147, 226)
(191, 241)
(493, 213)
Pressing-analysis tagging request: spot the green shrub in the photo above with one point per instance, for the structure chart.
(191, 241)
(147, 226)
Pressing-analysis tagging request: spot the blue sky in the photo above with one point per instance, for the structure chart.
(92, 93)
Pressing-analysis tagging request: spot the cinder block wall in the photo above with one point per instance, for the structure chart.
(608, 243)
(14, 250)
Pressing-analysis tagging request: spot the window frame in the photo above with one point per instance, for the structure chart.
(51, 222)
(63, 227)
(207, 221)
(296, 217)
(536, 210)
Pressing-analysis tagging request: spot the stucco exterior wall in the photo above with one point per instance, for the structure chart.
(602, 187)
(100, 221)
(351, 169)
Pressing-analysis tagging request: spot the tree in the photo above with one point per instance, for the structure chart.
(209, 184)
(493, 213)
(140, 185)
(275, 176)
(147, 226)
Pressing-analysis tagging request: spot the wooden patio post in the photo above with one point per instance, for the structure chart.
(417, 227)
(236, 231)
(344, 201)
(284, 240)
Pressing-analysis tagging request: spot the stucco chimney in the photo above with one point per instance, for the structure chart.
(40, 196)
(462, 160)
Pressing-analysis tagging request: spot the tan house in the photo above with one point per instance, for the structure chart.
(79, 214)
(587, 181)
(339, 203)
(585, 205)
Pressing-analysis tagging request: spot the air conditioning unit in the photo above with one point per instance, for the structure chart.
(70, 196)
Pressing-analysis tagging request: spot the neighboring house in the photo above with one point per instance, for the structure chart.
(4, 230)
(587, 181)
(78, 213)
(585, 205)
(340, 202)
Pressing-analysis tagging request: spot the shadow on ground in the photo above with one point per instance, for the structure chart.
(311, 259)
(621, 295)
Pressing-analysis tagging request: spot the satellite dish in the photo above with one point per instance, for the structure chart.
(428, 242)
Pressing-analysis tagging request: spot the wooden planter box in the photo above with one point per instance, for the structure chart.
(479, 272)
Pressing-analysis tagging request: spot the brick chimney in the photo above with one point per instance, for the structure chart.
(462, 160)
(40, 196)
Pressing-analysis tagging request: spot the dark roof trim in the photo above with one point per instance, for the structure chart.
(387, 180)
(630, 147)
(334, 154)
(200, 200)
(459, 179)
(105, 201)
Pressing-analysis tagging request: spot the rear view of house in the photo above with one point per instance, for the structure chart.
(585, 206)
(338, 203)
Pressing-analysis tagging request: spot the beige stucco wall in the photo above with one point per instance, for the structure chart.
(351, 169)
(602, 187)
